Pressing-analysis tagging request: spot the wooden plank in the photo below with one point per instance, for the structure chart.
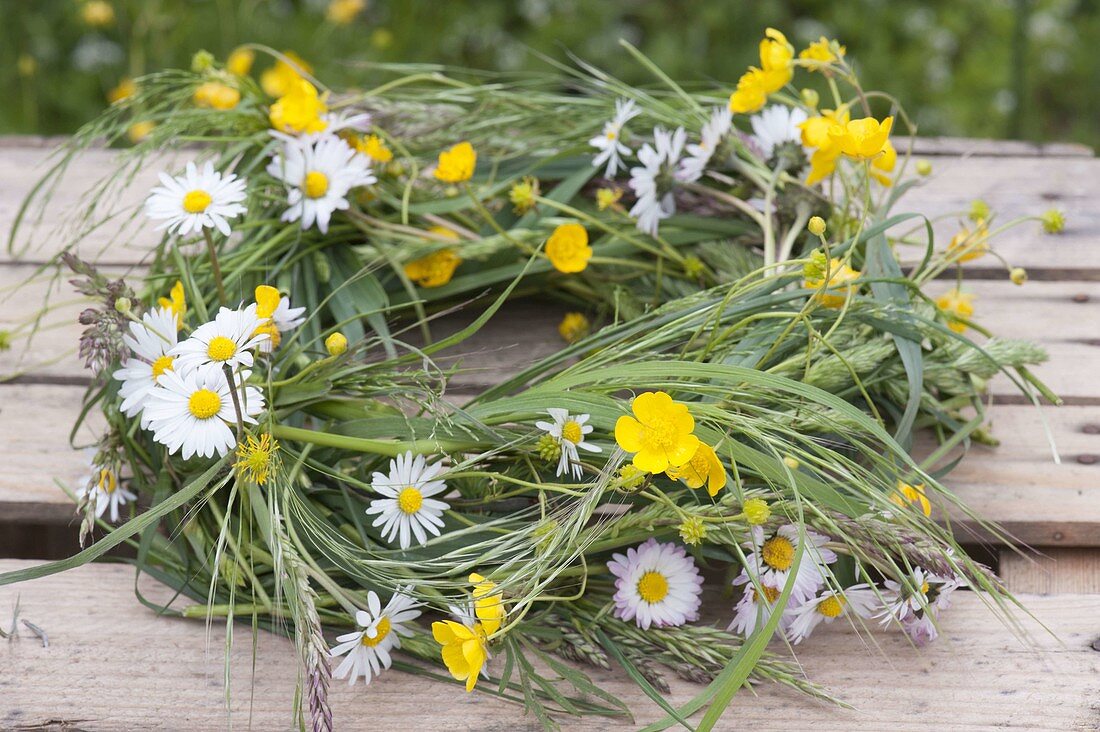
(968, 146)
(110, 662)
(1052, 571)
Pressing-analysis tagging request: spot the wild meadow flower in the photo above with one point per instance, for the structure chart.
(149, 342)
(257, 457)
(704, 469)
(821, 53)
(318, 174)
(609, 141)
(240, 60)
(818, 134)
(192, 412)
(343, 12)
(659, 433)
(861, 600)
(274, 310)
(301, 110)
(771, 560)
(456, 164)
(699, 154)
(125, 89)
(911, 496)
(864, 138)
(776, 70)
(367, 650)
(567, 248)
(912, 603)
(653, 181)
(969, 244)
(373, 146)
(835, 286)
(569, 431)
(435, 269)
(176, 302)
(573, 327)
(775, 126)
(755, 607)
(104, 488)
(465, 642)
(656, 584)
(196, 200)
(407, 509)
(215, 95)
(957, 307)
(227, 340)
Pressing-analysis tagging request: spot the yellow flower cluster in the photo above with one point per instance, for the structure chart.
(911, 495)
(465, 649)
(300, 110)
(776, 69)
(957, 307)
(457, 163)
(215, 95)
(833, 133)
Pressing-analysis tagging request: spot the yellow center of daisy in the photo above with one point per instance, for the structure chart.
(924, 588)
(383, 629)
(204, 404)
(771, 594)
(196, 201)
(315, 184)
(107, 481)
(831, 607)
(162, 364)
(611, 134)
(653, 587)
(572, 431)
(778, 553)
(410, 500)
(221, 348)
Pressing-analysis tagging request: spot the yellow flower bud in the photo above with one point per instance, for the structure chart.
(810, 98)
(1054, 221)
(791, 463)
(757, 511)
(924, 167)
(979, 210)
(692, 530)
(1018, 275)
(202, 61)
(816, 226)
(123, 305)
(336, 344)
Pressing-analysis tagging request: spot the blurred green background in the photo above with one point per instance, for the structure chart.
(985, 68)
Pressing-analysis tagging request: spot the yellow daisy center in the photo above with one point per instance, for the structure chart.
(572, 431)
(771, 594)
(315, 184)
(383, 629)
(162, 364)
(831, 607)
(107, 481)
(778, 553)
(221, 348)
(612, 134)
(653, 587)
(924, 588)
(196, 201)
(204, 404)
(410, 500)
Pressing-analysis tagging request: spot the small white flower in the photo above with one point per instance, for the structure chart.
(753, 611)
(859, 599)
(772, 557)
(652, 181)
(103, 484)
(225, 340)
(196, 200)
(569, 431)
(609, 142)
(776, 125)
(407, 507)
(717, 127)
(193, 411)
(285, 317)
(656, 584)
(912, 604)
(380, 630)
(318, 173)
(149, 342)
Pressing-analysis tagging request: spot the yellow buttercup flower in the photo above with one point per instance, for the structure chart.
(884, 164)
(434, 270)
(968, 245)
(215, 95)
(457, 163)
(840, 286)
(659, 434)
(300, 110)
(138, 131)
(488, 603)
(97, 13)
(240, 61)
(704, 468)
(281, 78)
(863, 138)
(607, 197)
(957, 307)
(464, 650)
(567, 248)
(776, 56)
(822, 52)
(573, 327)
(343, 12)
(817, 133)
(125, 89)
(911, 495)
(176, 302)
(374, 147)
(751, 93)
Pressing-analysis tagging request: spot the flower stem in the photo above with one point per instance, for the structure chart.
(213, 252)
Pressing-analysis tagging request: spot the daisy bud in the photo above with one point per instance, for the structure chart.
(810, 98)
(924, 167)
(549, 448)
(1018, 275)
(816, 226)
(757, 511)
(202, 61)
(123, 305)
(336, 344)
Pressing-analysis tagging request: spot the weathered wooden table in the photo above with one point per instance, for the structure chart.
(113, 665)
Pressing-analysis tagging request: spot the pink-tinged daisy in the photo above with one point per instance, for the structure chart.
(656, 584)
(772, 559)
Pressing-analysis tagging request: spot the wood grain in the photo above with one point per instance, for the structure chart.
(114, 665)
(1052, 571)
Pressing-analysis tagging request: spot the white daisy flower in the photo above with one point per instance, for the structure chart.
(407, 506)
(569, 431)
(656, 584)
(193, 411)
(149, 342)
(921, 630)
(772, 557)
(609, 142)
(859, 599)
(776, 125)
(913, 604)
(652, 181)
(228, 339)
(319, 173)
(753, 611)
(103, 484)
(196, 200)
(380, 630)
(698, 156)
